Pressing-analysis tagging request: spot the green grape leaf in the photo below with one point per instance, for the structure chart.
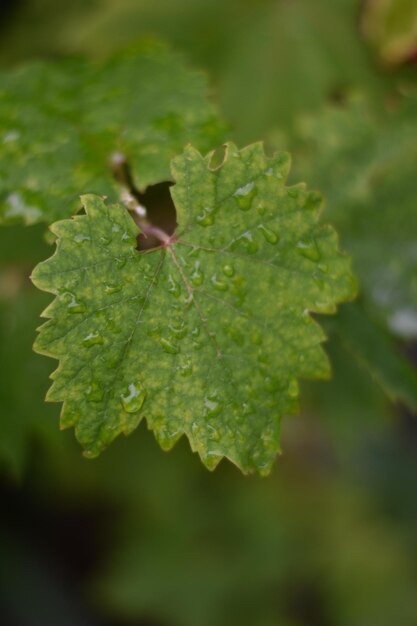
(365, 165)
(376, 353)
(62, 122)
(206, 335)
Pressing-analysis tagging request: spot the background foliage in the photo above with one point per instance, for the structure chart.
(138, 537)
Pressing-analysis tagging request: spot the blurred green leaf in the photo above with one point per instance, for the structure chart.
(271, 60)
(391, 26)
(376, 353)
(64, 122)
(364, 162)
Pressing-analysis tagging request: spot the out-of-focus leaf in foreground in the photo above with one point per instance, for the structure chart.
(208, 334)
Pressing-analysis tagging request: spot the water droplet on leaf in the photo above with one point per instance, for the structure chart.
(206, 217)
(308, 248)
(127, 238)
(245, 195)
(94, 392)
(174, 287)
(228, 270)
(80, 238)
(168, 346)
(269, 235)
(93, 339)
(133, 399)
(120, 262)
(197, 277)
(186, 368)
(112, 288)
(73, 305)
(247, 242)
(220, 285)
(212, 405)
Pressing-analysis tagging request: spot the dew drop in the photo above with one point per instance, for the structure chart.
(112, 288)
(120, 262)
(178, 328)
(75, 307)
(194, 251)
(306, 317)
(94, 392)
(220, 285)
(174, 287)
(228, 270)
(214, 434)
(127, 238)
(112, 325)
(186, 368)
(147, 269)
(168, 346)
(195, 429)
(197, 277)
(80, 238)
(93, 339)
(212, 459)
(268, 234)
(133, 399)
(245, 195)
(70, 284)
(247, 242)
(11, 135)
(308, 248)
(323, 268)
(206, 217)
(212, 405)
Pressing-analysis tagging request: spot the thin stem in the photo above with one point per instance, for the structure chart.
(121, 172)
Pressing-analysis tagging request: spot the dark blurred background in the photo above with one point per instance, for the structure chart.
(139, 537)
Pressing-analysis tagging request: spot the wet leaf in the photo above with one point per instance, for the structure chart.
(207, 335)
